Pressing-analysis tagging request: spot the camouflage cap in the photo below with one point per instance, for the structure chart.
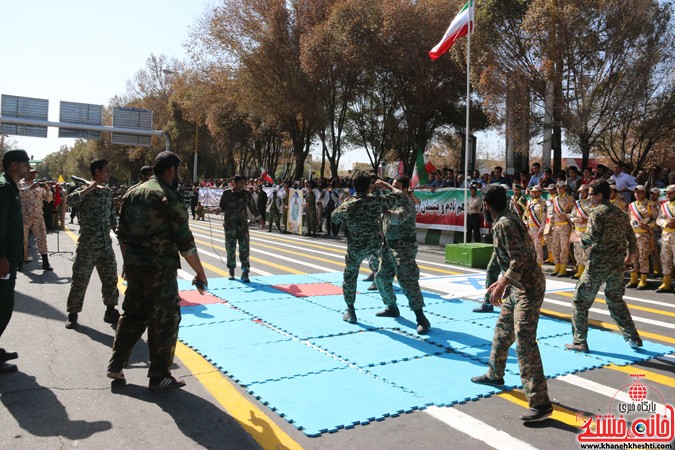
(561, 184)
(551, 186)
(655, 190)
(639, 187)
(536, 187)
(583, 187)
(670, 188)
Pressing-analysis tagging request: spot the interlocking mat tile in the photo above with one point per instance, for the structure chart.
(192, 298)
(283, 338)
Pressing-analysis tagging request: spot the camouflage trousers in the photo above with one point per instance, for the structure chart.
(151, 301)
(517, 322)
(655, 255)
(538, 247)
(584, 296)
(667, 252)
(353, 260)
(239, 235)
(310, 220)
(35, 225)
(644, 249)
(491, 277)
(103, 258)
(374, 262)
(398, 258)
(560, 243)
(580, 254)
(284, 217)
(274, 218)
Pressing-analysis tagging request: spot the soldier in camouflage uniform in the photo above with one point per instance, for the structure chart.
(361, 214)
(515, 257)
(518, 202)
(153, 231)
(655, 256)
(274, 207)
(234, 204)
(535, 218)
(643, 220)
(561, 207)
(397, 257)
(96, 218)
(374, 259)
(666, 221)
(32, 196)
(310, 208)
(579, 217)
(608, 236)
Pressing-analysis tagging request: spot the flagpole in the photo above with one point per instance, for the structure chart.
(466, 144)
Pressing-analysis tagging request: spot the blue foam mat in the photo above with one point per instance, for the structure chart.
(374, 347)
(611, 348)
(251, 363)
(301, 318)
(318, 394)
(209, 313)
(273, 280)
(329, 401)
(442, 379)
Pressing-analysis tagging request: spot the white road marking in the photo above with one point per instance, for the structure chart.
(476, 429)
(600, 389)
(606, 313)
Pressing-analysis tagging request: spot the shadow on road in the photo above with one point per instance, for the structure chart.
(207, 425)
(51, 418)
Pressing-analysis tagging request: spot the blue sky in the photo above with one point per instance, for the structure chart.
(85, 51)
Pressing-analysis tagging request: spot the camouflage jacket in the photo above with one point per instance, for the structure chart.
(234, 204)
(362, 215)
(154, 226)
(400, 223)
(11, 220)
(608, 235)
(96, 215)
(514, 252)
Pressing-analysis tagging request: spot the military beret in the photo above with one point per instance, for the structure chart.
(639, 187)
(517, 186)
(671, 188)
(11, 156)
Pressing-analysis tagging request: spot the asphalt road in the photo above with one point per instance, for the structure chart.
(61, 398)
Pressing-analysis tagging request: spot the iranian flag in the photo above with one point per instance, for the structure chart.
(265, 176)
(457, 29)
(423, 168)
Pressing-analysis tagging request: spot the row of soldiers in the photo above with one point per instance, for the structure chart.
(552, 222)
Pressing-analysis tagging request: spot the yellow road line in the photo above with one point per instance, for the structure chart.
(560, 413)
(254, 421)
(651, 376)
(630, 305)
(610, 326)
(252, 258)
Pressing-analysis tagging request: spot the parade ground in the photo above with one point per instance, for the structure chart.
(271, 364)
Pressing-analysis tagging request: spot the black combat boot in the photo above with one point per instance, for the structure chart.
(244, 276)
(389, 311)
(45, 263)
(71, 323)
(423, 324)
(231, 274)
(350, 315)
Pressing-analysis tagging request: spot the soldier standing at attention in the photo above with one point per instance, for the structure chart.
(15, 166)
(518, 202)
(535, 218)
(515, 256)
(579, 217)
(643, 220)
(234, 204)
(96, 218)
(655, 204)
(361, 214)
(310, 208)
(274, 210)
(153, 231)
(397, 257)
(666, 221)
(614, 197)
(32, 196)
(560, 228)
(608, 236)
